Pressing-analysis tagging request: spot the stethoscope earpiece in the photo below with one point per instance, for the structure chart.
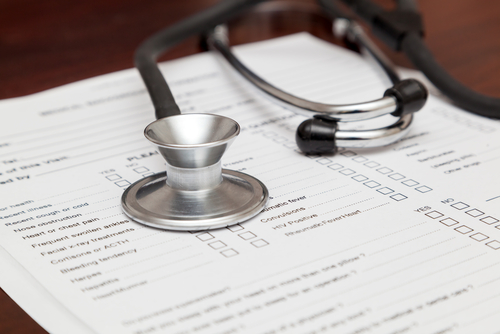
(410, 95)
(317, 136)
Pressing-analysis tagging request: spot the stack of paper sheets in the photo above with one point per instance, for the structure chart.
(401, 239)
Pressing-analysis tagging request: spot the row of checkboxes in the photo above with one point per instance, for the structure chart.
(385, 171)
(247, 235)
(464, 229)
(216, 244)
(118, 180)
(368, 183)
(121, 182)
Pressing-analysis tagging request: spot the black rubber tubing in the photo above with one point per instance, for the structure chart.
(418, 53)
(147, 53)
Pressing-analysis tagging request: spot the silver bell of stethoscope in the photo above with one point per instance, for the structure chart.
(197, 194)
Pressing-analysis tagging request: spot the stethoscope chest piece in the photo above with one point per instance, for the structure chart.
(194, 193)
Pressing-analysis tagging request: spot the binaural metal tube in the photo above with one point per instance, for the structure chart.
(339, 112)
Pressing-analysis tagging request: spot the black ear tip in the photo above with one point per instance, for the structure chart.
(316, 135)
(410, 95)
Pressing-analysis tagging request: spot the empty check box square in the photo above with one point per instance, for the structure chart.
(148, 174)
(463, 229)
(448, 222)
(235, 228)
(247, 235)
(385, 191)
(290, 145)
(229, 252)
(434, 214)
(347, 172)
(360, 178)
(122, 183)
(335, 166)
(324, 161)
(372, 164)
(479, 237)
(474, 213)
(410, 183)
(423, 189)
(217, 244)
(493, 244)
(259, 243)
(140, 170)
(348, 154)
(396, 176)
(460, 206)
(489, 220)
(205, 236)
(360, 159)
(384, 170)
(113, 177)
(371, 184)
(398, 197)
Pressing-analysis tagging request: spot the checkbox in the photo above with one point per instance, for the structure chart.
(489, 220)
(360, 178)
(398, 197)
(348, 154)
(148, 174)
(235, 228)
(205, 236)
(396, 176)
(335, 166)
(313, 156)
(434, 214)
(423, 189)
(323, 161)
(474, 213)
(247, 235)
(122, 183)
(371, 184)
(384, 170)
(385, 190)
(113, 177)
(259, 243)
(229, 252)
(360, 159)
(372, 164)
(410, 183)
(140, 170)
(290, 145)
(479, 237)
(217, 244)
(493, 244)
(347, 172)
(463, 229)
(449, 221)
(460, 205)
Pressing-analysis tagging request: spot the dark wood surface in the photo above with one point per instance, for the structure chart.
(45, 44)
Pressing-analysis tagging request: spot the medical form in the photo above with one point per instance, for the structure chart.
(401, 239)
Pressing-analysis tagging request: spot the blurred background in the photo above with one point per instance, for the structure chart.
(48, 43)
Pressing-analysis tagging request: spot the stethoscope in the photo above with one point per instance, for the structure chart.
(195, 193)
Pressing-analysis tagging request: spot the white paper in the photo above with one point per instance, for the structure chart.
(401, 239)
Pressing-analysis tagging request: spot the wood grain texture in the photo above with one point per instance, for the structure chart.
(45, 44)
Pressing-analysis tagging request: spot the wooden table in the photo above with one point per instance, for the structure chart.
(44, 44)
